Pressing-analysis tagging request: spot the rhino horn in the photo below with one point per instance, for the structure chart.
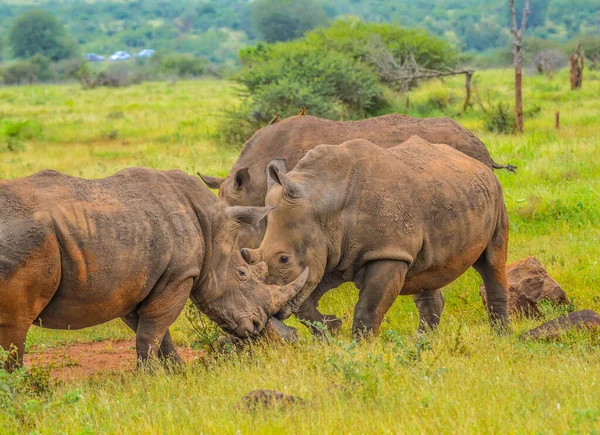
(247, 215)
(279, 296)
(276, 175)
(212, 182)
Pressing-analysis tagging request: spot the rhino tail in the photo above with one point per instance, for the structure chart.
(508, 167)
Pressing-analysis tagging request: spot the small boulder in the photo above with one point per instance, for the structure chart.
(529, 283)
(581, 319)
(268, 399)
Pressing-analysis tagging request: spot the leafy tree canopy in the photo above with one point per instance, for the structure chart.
(282, 20)
(39, 32)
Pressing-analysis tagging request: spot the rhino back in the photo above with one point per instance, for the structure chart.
(293, 137)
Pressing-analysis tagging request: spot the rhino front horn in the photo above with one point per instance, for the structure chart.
(281, 295)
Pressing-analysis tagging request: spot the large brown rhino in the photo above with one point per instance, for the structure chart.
(76, 253)
(293, 137)
(406, 220)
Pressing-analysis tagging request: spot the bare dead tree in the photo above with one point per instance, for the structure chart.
(518, 60)
(402, 76)
(577, 65)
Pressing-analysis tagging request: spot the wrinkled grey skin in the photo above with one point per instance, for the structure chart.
(406, 220)
(76, 253)
(293, 137)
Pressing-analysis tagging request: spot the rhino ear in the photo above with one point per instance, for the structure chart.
(212, 182)
(247, 215)
(241, 178)
(280, 165)
(291, 189)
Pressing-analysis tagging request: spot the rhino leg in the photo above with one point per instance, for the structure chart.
(430, 305)
(309, 312)
(12, 340)
(167, 351)
(379, 283)
(492, 268)
(156, 315)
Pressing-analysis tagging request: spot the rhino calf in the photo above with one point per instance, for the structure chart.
(76, 253)
(404, 220)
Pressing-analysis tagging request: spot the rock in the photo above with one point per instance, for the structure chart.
(529, 283)
(581, 319)
(268, 399)
(276, 330)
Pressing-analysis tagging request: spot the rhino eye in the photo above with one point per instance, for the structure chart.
(284, 259)
(241, 273)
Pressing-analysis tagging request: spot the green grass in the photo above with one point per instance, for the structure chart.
(460, 379)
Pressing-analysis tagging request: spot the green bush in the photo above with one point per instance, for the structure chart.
(283, 77)
(179, 65)
(500, 119)
(19, 72)
(283, 20)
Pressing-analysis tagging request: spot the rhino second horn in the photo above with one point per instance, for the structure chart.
(281, 295)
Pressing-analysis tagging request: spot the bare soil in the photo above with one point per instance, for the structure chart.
(85, 360)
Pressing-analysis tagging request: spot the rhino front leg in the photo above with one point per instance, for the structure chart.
(430, 305)
(12, 340)
(156, 316)
(379, 284)
(309, 309)
(167, 351)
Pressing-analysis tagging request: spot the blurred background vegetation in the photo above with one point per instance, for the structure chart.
(337, 58)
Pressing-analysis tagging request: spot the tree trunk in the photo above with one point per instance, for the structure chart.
(518, 90)
(577, 65)
(468, 76)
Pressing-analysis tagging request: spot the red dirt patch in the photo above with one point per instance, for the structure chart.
(77, 361)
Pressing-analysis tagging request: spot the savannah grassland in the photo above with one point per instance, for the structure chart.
(459, 379)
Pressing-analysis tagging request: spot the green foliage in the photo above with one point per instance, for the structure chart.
(179, 65)
(500, 119)
(39, 32)
(217, 29)
(332, 72)
(282, 20)
(284, 77)
(358, 39)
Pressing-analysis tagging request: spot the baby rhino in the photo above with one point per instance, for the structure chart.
(404, 220)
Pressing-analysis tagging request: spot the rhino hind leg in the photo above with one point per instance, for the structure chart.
(379, 285)
(167, 351)
(155, 316)
(491, 265)
(12, 340)
(430, 305)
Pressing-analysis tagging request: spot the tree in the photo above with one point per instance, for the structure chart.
(282, 20)
(518, 60)
(1, 47)
(39, 32)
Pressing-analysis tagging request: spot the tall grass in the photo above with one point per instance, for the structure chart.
(460, 379)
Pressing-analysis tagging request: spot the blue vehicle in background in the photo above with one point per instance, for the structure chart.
(92, 57)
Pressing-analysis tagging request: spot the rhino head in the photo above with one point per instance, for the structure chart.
(296, 237)
(240, 188)
(235, 294)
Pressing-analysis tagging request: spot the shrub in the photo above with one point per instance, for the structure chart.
(500, 119)
(180, 65)
(22, 71)
(283, 20)
(286, 76)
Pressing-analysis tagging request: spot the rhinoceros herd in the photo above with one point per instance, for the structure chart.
(397, 205)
